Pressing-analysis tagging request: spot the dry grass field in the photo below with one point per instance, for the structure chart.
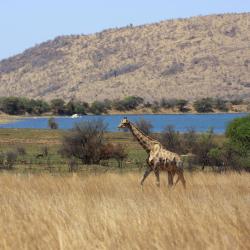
(110, 211)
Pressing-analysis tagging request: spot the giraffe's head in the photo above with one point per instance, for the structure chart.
(124, 123)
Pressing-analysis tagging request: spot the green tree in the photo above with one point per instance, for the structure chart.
(238, 131)
(57, 106)
(13, 105)
(98, 108)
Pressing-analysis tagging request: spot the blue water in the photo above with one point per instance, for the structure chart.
(181, 122)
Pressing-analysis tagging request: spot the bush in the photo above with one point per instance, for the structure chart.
(155, 107)
(85, 142)
(220, 105)
(73, 165)
(98, 108)
(114, 151)
(10, 159)
(13, 105)
(52, 123)
(171, 139)
(204, 105)
(238, 131)
(21, 150)
(58, 106)
(128, 103)
(182, 105)
(144, 125)
(189, 141)
(37, 107)
(204, 144)
(74, 107)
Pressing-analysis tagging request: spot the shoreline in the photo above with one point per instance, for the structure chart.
(4, 118)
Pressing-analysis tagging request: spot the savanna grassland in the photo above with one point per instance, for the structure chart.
(110, 211)
(107, 209)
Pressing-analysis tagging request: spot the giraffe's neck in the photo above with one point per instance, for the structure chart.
(145, 141)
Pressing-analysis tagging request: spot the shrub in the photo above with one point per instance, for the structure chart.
(73, 165)
(171, 139)
(74, 107)
(220, 105)
(128, 103)
(21, 150)
(98, 108)
(13, 105)
(203, 146)
(144, 125)
(189, 141)
(155, 107)
(36, 106)
(85, 141)
(114, 151)
(182, 105)
(204, 105)
(52, 123)
(238, 131)
(58, 107)
(2, 157)
(10, 159)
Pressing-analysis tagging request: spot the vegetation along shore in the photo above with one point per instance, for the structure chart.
(129, 105)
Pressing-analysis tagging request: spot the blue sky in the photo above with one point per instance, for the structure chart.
(25, 23)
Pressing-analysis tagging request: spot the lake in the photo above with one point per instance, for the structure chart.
(181, 122)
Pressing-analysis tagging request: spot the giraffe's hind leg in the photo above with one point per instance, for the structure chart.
(180, 178)
(179, 171)
(170, 178)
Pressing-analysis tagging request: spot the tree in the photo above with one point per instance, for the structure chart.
(85, 141)
(220, 104)
(115, 151)
(204, 105)
(203, 146)
(57, 106)
(52, 123)
(98, 108)
(182, 105)
(144, 125)
(171, 139)
(238, 131)
(128, 103)
(75, 107)
(13, 105)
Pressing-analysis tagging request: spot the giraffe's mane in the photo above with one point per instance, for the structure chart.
(147, 136)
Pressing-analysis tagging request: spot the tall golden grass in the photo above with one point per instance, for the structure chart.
(110, 211)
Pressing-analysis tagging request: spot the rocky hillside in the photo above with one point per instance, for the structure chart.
(183, 58)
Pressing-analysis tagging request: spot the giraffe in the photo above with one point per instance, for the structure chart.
(159, 158)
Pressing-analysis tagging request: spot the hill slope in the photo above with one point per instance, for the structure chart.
(184, 58)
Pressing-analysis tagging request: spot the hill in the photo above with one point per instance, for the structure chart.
(184, 58)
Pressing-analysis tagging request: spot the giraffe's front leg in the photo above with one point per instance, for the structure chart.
(170, 178)
(157, 175)
(147, 172)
